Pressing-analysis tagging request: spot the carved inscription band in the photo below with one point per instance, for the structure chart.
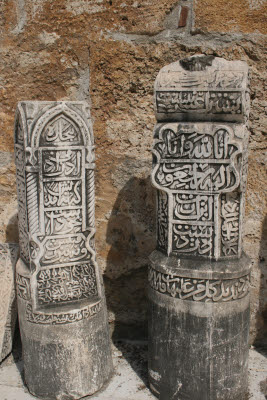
(62, 318)
(199, 102)
(205, 290)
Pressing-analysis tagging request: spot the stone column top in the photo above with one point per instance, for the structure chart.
(31, 117)
(202, 88)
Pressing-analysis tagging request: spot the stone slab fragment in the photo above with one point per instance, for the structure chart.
(8, 306)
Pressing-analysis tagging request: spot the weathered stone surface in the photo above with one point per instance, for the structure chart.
(248, 16)
(199, 328)
(120, 50)
(8, 305)
(199, 279)
(61, 301)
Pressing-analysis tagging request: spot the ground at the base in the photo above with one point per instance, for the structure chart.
(130, 379)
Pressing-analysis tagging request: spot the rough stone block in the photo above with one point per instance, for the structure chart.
(8, 305)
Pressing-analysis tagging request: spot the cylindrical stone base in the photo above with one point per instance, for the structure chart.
(66, 354)
(198, 328)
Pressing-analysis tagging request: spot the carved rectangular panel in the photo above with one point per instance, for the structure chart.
(200, 172)
(55, 181)
(66, 284)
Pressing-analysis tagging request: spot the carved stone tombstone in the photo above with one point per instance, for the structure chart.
(8, 304)
(199, 277)
(61, 301)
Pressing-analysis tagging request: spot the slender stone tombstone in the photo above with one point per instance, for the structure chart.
(8, 304)
(61, 301)
(199, 277)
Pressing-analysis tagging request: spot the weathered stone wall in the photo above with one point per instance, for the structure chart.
(109, 52)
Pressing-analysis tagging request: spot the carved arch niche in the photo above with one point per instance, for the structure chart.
(61, 130)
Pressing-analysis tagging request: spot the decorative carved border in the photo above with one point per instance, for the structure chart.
(23, 287)
(62, 318)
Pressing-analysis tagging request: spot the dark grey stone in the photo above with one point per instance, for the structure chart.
(198, 337)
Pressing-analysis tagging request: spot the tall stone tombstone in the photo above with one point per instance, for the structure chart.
(199, 276)
(61, 301)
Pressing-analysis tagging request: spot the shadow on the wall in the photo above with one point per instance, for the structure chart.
(261, 338)
(12, 230)
(12, 236)
(131, 235)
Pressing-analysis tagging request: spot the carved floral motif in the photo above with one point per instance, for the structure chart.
(230, 213)
(162, 220)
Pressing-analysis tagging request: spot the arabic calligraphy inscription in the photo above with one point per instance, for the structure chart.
(57, 285)
(56, 235)
(204, 290)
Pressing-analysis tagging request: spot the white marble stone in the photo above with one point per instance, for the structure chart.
(61, 301)
(202, 88)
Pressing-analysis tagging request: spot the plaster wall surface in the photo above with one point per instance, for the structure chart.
(108, 52)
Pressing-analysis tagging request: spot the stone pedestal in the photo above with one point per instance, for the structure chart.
(8, 304)
(199, 277)
(61, 301)
(199, 328)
